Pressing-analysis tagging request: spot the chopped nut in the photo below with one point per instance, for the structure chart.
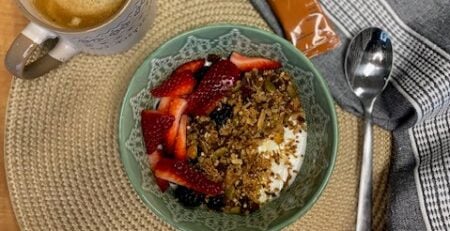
(278, 137)
(291, 91)
(269, 85)
(192, 152)
(261, 119)
(236, 161)
(220, 152)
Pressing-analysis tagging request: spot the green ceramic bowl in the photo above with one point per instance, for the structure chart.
(222, 39)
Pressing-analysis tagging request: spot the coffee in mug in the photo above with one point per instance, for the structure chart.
(100, 27)
(78, 14)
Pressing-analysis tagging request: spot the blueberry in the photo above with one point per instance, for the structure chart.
(188, 197)
(216, 203)
(246, 93)
(213, 58)
(201, 73)
(248, 206)
(222, 114)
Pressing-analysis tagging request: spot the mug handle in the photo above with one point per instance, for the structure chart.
(16, 60)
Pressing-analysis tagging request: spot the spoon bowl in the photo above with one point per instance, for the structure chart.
(368, 65)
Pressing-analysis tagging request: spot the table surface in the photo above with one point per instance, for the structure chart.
(11, 23)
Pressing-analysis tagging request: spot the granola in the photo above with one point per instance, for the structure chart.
(265, 104)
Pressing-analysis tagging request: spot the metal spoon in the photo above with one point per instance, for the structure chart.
(368, 65)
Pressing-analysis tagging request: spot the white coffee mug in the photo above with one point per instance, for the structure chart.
(115, 35)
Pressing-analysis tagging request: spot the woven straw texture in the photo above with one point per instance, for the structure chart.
(61, 150)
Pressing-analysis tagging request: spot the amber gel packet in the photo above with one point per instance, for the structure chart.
(305, 25)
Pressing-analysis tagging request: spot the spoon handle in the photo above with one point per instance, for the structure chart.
(364, 217)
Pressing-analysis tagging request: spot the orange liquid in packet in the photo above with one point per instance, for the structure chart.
(306, 25)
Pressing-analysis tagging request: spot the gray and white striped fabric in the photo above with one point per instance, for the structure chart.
(422, 74)
(416, 106)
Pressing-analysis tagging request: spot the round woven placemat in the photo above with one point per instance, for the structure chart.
(61, 150)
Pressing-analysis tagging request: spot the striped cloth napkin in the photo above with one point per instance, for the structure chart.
(415, 106)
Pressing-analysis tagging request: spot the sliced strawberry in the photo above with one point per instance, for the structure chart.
(154, 125)
(192, 66)
(217, 82)
(178, 84)
(181, 173)
(154, 158)
(180, 143)
(245, 63)
(164, 103)
(176, 109)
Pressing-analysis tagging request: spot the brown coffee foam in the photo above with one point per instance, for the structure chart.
(78, 13)
(61, 152)
(88, 7)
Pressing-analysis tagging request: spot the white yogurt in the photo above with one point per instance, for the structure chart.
(282, 173)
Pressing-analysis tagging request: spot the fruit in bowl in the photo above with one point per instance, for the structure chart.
(192, 187)
(227, 132)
